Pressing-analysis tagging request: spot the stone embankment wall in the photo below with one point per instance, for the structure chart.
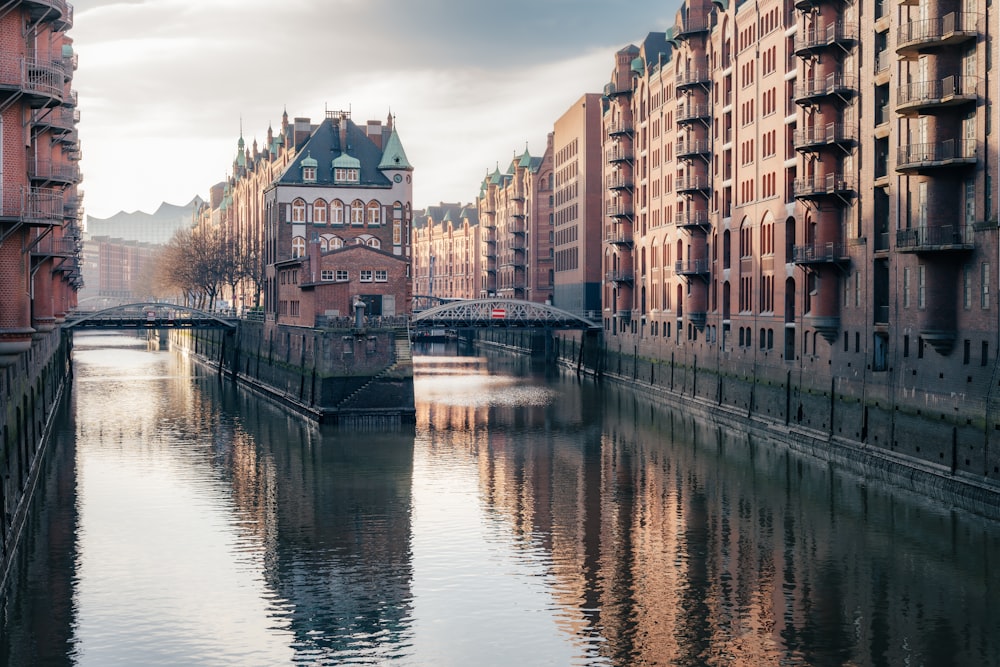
(30, 390)
(332, 375)
(937, 445)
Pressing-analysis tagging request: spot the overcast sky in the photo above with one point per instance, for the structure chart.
(165, 84)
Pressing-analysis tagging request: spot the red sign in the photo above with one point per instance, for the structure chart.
(499, 313)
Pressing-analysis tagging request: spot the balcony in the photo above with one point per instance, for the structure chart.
(620, 154)
(41, 83)
(48, 172)
(620, 209)
(56, 118)
(619, 128)
(923, 157)
(691, 220)
(950, 29)
(61, 18)
(821, 187)
(620, 182)
(949, 91)
(690, 148)
(692, 25)
(810, 139)
(811, 91)
(946, 238)
(692, 77)
(620, 276)
(692, 185)
(35, 207)
(816, 40)
(820, 253)
(689, 113)
(620, 238)
(692, 268)
(613, 90)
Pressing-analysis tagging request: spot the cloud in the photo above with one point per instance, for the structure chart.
(170, 82)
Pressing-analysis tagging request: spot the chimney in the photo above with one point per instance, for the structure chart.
(301, 130)
(375, 132)
(314, 265)
(343, 132)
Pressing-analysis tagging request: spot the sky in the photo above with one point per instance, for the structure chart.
(165, 86)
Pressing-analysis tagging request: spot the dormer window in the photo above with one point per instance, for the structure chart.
(309, 165)
(346, 175)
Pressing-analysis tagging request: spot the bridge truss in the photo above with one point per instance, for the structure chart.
(499, 313)
(148, 316)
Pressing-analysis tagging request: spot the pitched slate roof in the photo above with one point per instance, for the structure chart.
(324, 146)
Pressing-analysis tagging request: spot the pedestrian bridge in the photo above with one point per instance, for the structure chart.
(469, 313)
(147, 316)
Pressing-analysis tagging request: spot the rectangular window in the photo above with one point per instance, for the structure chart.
(906, 287)
(906, 346)
(381, 276)
(341, 276)
(985, 299)
(967, 288)
(365, 276)
(326, 275)
(921, 287)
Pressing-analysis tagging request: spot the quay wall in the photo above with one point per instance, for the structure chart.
(931, 441)
(30, 391)
(330, 375)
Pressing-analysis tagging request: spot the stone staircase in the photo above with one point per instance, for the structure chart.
(403, 357)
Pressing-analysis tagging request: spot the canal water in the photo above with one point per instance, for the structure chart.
(528, 518)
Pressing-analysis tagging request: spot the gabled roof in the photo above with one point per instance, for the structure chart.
(324, 146)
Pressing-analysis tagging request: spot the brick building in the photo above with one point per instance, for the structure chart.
(346, 196)
(515, 214)
(446, 253)
(40, 206)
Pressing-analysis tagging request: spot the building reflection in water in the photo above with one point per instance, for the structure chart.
(671, 542)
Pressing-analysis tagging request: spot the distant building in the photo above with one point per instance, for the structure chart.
(515, 213)
(337, 223)
(577, 208)
(156, 228)
(446, 253)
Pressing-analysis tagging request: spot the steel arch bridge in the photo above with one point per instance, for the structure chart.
(148, 316)
(499, 313)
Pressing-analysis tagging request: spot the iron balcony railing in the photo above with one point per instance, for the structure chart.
(619, 182)
(619, 209)
(32, 76)
(34, 206)
(819, 253)
(693, 183)
(691, 77)
(691, 219)
(823, 135)
(620, 276)
(831, 84)
(620, 154)
(930, 238)
(45, 169)
(952, 28)
(693, 24)
(950, 89)
(688, 112)
(689, 147)
(936, 154)
(619, 127)
(819, 37)
(691, 267)
(830, 184)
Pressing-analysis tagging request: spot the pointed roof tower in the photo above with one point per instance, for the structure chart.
(394, 157)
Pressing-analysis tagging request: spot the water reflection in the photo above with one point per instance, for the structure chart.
(530, 517)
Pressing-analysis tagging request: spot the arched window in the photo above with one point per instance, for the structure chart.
(319, 212)
(357, 212)
(299, 210)
(337, 212)
(336, 242)
(324, 244)
(298, 246)
(374, 213)
(374, 243)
